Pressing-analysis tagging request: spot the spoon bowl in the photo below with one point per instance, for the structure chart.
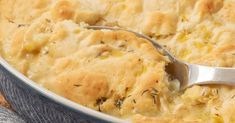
(188, 74)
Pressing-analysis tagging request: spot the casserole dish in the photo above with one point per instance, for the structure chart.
(36, 104)
(42, 39)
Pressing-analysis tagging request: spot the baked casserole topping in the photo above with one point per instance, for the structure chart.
(116, 72)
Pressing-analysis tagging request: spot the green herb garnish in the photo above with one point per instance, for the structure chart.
(100, 101)
(118, 103)
(77, 85)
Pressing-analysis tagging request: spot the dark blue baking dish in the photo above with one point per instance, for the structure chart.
(38, 105)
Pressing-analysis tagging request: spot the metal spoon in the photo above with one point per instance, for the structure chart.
(188, 74)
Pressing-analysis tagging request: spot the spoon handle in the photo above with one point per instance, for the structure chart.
(199, 74)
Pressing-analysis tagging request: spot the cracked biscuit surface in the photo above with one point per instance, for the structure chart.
(119, 73)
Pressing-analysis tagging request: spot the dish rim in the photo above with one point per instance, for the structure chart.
(57, 98)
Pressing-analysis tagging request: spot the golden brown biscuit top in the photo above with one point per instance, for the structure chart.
(48, 35)
(116, 71)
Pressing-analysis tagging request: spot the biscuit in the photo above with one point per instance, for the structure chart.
(119, 73)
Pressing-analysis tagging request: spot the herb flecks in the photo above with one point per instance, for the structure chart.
(48, 20)
(216, 91)
(100, 101)
(22, 25)
(45, 52)
(144, 92)
(134, 101)
(126, 89)
(122, 45)
(77, 85)
(102, 53)
(154, 93)
(10, 21)
(130, 51)
(233, 96)
(102, 42)
(118, 103)
(217, 114)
